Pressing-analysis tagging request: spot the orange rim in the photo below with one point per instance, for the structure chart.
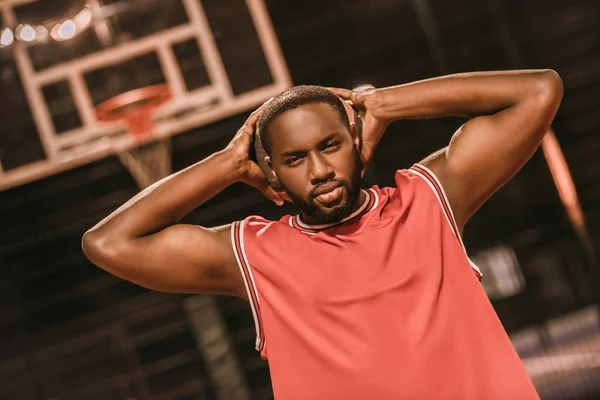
(142, 100)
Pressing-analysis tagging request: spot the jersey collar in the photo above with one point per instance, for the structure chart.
(371, 200)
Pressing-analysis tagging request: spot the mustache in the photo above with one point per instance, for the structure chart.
(311, 194)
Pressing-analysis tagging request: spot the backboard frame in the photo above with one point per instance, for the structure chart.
(93, 141)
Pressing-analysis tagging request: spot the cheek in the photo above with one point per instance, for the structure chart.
(343, 162)
(295, 179)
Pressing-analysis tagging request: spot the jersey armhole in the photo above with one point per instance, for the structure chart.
(437, 188)
(237, 241)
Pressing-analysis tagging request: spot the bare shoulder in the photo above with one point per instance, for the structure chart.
(214, 247)
(438, 164)
(180, 258)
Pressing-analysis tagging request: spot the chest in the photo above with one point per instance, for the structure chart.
(389, 258)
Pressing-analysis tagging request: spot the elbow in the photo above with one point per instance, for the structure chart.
(95, 247)
(553, 83)
(87, 244)
(550, 88)
(108, 254)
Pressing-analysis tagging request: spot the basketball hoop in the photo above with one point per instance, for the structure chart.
(151, 161)
(135, 108)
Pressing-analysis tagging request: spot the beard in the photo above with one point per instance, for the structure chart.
(323, 215)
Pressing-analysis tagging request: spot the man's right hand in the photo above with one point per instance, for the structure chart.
(249, 172)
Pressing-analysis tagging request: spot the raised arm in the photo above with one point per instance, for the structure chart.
(142, 241)
(512, 111)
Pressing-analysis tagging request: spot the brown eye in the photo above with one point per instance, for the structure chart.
(332, 144)
(292, 161)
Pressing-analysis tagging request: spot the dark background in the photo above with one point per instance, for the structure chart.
(68, 328)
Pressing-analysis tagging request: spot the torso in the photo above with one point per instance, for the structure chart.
(385, 305)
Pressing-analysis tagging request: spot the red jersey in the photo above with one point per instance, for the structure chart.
(382, 305)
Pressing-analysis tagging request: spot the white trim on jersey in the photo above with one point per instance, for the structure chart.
(448, 214)
(354, 214)
(376, 199)
(250, 286)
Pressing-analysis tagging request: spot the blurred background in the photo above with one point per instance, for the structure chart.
(68, 330)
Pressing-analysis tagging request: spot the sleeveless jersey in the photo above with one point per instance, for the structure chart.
(382, 305)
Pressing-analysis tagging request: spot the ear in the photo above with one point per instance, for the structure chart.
(354, 134)
(269, 172)
(274, 181)
(266, 165)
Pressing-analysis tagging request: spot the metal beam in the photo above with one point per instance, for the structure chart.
(509, 45)
(208, 47)
(37, 103)
(217, 348)
(266, 33)
(114, 55)
(427, 21)
(554, 156)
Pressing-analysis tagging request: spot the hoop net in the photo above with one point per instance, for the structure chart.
(151, 161)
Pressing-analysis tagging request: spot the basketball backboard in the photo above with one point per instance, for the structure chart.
(93, 48)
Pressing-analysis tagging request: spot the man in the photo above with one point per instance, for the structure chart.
(366, 294)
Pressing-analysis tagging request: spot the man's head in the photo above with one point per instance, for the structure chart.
(313, 151)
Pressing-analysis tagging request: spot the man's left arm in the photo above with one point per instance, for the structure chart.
(512, 111)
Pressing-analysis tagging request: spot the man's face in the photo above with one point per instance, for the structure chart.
(315, 157)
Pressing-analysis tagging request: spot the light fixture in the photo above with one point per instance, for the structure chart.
(6, 37)
(26, 33)
(362, 87)
(68, 29)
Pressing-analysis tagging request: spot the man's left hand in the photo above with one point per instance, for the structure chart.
(365, 103)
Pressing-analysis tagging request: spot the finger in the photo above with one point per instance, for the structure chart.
(285, 197)
(256, 178)
(350, 103)
(272, 195)
(256, 113)
(250, 124)
(343, 93)
(243, 134)
(268, 191)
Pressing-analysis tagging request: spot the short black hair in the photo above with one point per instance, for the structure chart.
(292, 99)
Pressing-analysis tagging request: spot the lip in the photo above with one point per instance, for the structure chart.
(326, 188)
(331, 197)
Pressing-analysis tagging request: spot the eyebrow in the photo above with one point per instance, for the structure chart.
(299, 152)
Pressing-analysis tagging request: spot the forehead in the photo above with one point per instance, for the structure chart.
(305, 125)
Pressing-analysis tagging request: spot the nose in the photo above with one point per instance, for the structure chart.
(320, 170)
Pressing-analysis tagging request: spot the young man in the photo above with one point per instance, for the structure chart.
(366, 294)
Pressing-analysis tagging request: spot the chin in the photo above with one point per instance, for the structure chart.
(336, 216)
(325, 215)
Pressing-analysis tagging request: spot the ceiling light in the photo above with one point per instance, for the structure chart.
(6, 37)
(64, 31)
(26, 33)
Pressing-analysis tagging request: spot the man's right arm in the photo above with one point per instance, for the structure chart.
(143, 242)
